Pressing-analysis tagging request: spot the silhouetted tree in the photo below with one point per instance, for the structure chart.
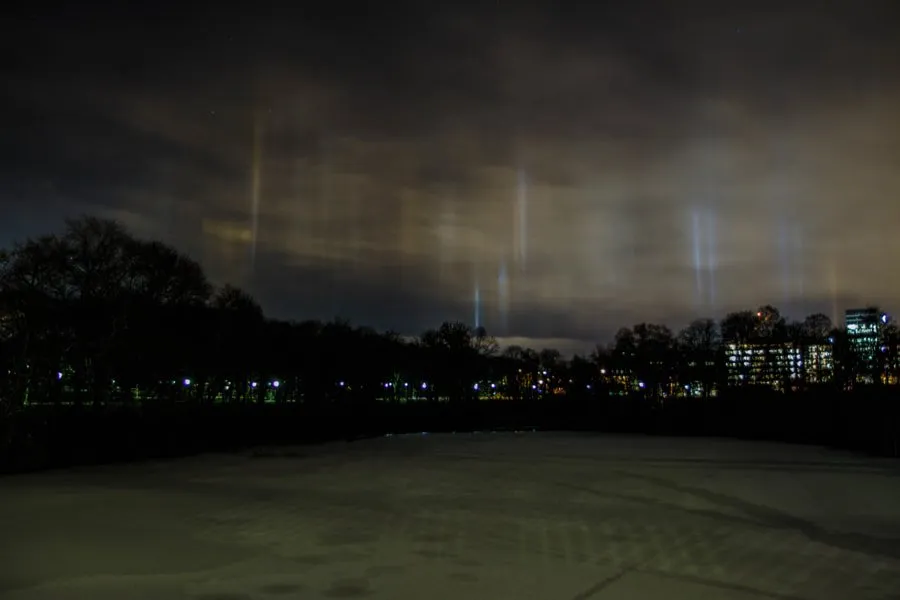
(655, 353)
(459, 358)
(817, 328)
(890, 350)
(846, 361)
(700, 345)
(738, 327)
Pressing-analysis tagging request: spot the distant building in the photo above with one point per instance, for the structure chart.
(778, 364)
(622, 381)
(818, 362)
(863, 322)
(864, 331)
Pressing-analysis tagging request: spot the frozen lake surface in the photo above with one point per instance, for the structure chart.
(464, 516)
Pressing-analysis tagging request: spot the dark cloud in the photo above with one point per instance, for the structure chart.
(575, 168)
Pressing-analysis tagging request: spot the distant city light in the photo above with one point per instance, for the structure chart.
(640, 384)
(187, 382)
(475, 386)
(493, 385)
(253, 385)
(540, 382)
(341, 383)
(424, 385)
(276, 383)
(59, 375)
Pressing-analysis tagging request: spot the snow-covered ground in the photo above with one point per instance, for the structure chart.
(464, 516)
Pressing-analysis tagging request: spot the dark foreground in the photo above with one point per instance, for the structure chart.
(494, 516)
(867, 421)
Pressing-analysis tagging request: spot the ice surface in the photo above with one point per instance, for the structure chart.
(470, 516)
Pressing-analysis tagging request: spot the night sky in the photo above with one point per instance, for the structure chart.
(551, 174)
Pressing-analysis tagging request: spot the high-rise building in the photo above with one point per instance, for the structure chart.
(864, 331)
(862, 321)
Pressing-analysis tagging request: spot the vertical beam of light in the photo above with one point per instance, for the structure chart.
(784, 260)
(300, 218)
(696, 242)
(609, 239)
(522, 204)
(325, 196)
(799, 260)
(446, 227)
(477, 302)
(256, 189)
(320, 219)
(711, 256)
(780, 206)
(503, 295)
(833, 288)
(355, 233)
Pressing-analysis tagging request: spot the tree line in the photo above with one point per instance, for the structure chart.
(94, 317)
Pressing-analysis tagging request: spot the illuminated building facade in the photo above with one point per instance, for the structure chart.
(818, 362)
(864, 331)
(778, 364)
